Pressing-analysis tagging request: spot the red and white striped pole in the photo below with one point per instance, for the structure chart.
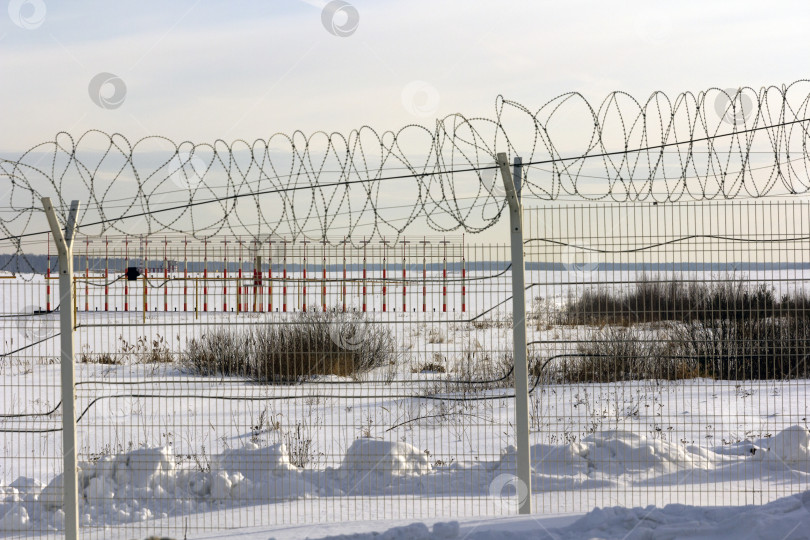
(48, 279)
(304, 297)
(270, 277)
(165, 276)
(225, 276)
(385, 276)
(424, 274)
(256, 277)
(239, 284)
(205, 275)
(284, 278)
(444, 278)
(343, 287)
(185, 274)
(404, 278)
(106, 273)
(365, 243)
(126, 281)
(323, 277)
(145, 276)
(463, 276)
(86, 274)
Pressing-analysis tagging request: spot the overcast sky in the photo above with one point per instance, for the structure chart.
(205, 70)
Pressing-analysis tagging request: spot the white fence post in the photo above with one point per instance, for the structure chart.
(64, 245)
(512, 186)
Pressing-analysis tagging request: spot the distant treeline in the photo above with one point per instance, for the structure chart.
(26, 264)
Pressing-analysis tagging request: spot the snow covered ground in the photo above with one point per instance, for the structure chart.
(784, 519)
(163, 449)
(377, 476)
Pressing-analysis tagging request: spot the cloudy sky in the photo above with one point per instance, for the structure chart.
(207, 70)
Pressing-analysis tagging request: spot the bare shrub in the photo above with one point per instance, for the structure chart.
(312, 343)
(657, 300)
(770, 348)
(321, 343)
(622, 354)
(219, 352)
(156, 351)
(436, 335)
(430, 367)
(739, 349)
(105, 358)
(302, 448)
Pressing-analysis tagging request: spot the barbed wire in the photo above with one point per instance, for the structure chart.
(716, 144)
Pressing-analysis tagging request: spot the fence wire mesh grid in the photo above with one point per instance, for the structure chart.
(227, 383)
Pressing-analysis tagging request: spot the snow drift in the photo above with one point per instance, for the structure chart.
(152, 483)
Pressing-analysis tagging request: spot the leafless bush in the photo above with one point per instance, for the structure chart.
(770, 348)
(145, 350)
(755, 349)
(300, 442)
(156, 351)
(105, 358)
(219, 352)
(620, 354)
(436, 335)
(656, 300)
(312, 343)
(430, 367)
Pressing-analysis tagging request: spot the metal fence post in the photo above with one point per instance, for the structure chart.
(64, 245)
(512, 186)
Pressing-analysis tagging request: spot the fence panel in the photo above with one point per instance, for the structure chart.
(671, 348)
(234, 383)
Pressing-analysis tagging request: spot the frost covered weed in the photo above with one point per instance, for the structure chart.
(266, 424)
(436, 335)
(621, 354)
(660, 299)
(143, 350)
(300, 441)
(311, 344)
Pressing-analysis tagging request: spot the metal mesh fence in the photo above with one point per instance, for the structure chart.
(228, 383)
(674, 346)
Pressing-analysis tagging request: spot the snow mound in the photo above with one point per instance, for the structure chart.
(145, 467)
(254, 462)
(15, 518)
(151, 483)
(790, 447)
(415, 531)
(389, 458)
(258, 474)
(605, 459)
(617, 453)
(787, 518)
